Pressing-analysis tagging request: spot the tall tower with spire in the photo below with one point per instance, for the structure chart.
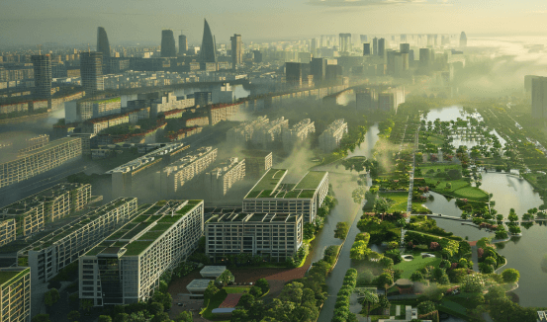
(208, 53)
(463, 40)
(103, 46)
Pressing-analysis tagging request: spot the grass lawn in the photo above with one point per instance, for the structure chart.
(471, 193)
(448, 305)
(237, 289)
(417, 263)
(215, 301)
(442, 167)
(399, 199)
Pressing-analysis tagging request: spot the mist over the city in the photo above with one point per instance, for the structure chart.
(273, 161)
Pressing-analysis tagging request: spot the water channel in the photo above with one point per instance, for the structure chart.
(523, 253)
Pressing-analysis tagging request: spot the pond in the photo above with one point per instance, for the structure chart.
(510, 192)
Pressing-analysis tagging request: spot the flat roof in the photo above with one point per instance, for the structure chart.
(268, 183)
(48, 146)
(198, 284)
(271, 186)
(212, 270)
(10, 273)
(235, 217)
(311, 180)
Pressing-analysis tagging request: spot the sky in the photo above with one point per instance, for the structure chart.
(71, 22)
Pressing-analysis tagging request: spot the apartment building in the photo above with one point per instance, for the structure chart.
(260, 132)
(48, 157)
(330, 139)
(33, 213)
(65, 245)
(219, 180)
(257, 162)
(170, 102)
(273, 194)
(87, 109)
(126, 267)
(35, 143)
(298, 133)
(15, 294)
(7, 231)
(271, 235)
(177, 174)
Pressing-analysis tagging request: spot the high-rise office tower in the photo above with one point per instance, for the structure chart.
(91, 72)
(463, 40)
(208, 47)
(381, 47)
(539, 98)
(375, 46)
(345, 42)
(257, 56)
(183, 44)
(293, 73)
(403, 37)
(168, 48)
(404, 48)
(363, 38)
(313, 45)
(42, 75)
(103, 46)
(237, 50)
(318, 68)
(366, 49)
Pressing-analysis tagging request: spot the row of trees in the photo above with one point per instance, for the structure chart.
(341, 311)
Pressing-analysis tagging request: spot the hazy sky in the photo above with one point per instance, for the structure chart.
(131, 21)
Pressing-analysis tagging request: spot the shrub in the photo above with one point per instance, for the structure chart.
(426, 307)
(416, 277)
(510, 275)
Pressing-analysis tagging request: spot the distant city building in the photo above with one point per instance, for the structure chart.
(87, 109)
(404, 48)
(363, 38)
(230, 234)
(366, 49)
(345, 42)
(91, 71)
(257, 162)
(257, 56)
(168, 47)
(220, 180)
(260, 132)
(48, 157)
(202, 99)
(126, 267)
(375, 46)
(298, 133)
(366, 100)
(66, 244)
(15, 294)
(381, 47)
(42, 75)
(463, 40)
(103, 46)
(539, 98)
(389, 100)
(208, 52)
(293, 73)
(272, 195)
(183, 45)
(330, 139)
(318, 68)
(237, 50)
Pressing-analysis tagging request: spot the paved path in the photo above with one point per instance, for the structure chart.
(475, 258)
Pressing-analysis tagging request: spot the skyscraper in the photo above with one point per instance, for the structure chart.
(366, 49)
(463, 40)
(103, 46)
(313, 45)
(168, 48)
(42, 75)
(208, 51)
(293, 73)
(381, 47)
(539, 98)
(363, 38)
(404, 48)
(183, 44)
(237, 50)
(318, 68)
(91, 72)
(375, 46)
(345, 42)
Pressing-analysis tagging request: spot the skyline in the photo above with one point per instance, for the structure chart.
(29, 22)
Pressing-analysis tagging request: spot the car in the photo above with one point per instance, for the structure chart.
(179, 304)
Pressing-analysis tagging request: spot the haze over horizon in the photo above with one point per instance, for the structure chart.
(30, 22)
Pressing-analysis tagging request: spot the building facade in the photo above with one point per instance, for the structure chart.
(219, 180)
(15, 294)
(330, 139)
(539, 98)
(42, 75)
(298, 133)
(274, 236)
(126, 268)
(257, 163)
(7, 231)
(237, 50)
(91, 72)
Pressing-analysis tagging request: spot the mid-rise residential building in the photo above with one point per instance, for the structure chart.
(273, 236)
(7, 231)
(170, 102)
(15, 294)
(128, 178)
(298, 133)
(87, 109)
(34, 212)
(219, 180)
(127, 266)
(260, 132)
(175, 175)
(257, 162)
(48, 157)
(66, 244)
(539, 97)
(330, 139)
(272, 194)
(34, 143)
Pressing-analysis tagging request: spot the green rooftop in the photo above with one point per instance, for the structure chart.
(271, 187)
(311, 180)
(11, 274)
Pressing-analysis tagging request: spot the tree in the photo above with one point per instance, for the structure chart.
(155, 308)
(121, 317)
(184, 317)
(426, 307)
(263, 284)
(495, 292)
(368, 298)
(164, 298)
(86, 305)
(74, 316)
(384, 281)
(225, 278)
(41, 318)
(255, 291)
(105, 318)
(161, 317)
(341, 230)
(510, 275)
(51, 297)
(386, 262)
(163, 286)
(416, 277)
(292, 292)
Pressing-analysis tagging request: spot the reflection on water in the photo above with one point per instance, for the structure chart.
(365, 149)
(441, 205)
(510, 192)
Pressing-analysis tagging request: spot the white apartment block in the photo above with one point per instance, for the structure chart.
(274, 236)
(175, 175)
(169, 103)
(260, 132)
(298, 133)
(7, 231)
(48, 157)
(219, 180)
(15, 294)
(35, 143)
(257, 162)
(126, 267)
(65, 245)
(330, 139)
(83, 110)
(271, 194)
